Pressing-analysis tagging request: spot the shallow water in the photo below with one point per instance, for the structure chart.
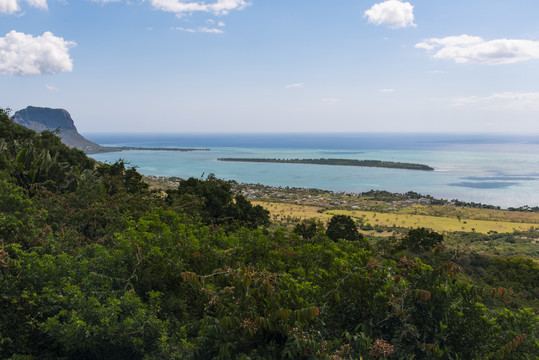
(495, 170)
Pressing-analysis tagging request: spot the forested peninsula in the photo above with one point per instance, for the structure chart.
(338, 162)
(95, 265)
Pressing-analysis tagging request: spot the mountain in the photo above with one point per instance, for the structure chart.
(41, 119)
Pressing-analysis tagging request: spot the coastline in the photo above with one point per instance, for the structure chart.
(493, 177)
(108, 149)
(387, 201)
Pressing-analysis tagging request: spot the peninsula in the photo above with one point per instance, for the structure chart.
(104, 149)
(339, 162)
(59, 121)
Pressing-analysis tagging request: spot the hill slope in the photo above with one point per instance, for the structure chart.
(95, 266)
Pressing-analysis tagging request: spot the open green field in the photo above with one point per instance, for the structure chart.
(294, 213)
(434, 222)
(473, 213)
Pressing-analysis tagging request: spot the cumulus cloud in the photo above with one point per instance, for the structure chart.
(503, 101)
(295, 85)
(22, 54)
(466, 48)
(42, 4)
(201, 29)
(392, 13)
(51, 87)
(387, 91)
(9, 6)
(12, 6)
(331, 101)
(219, 7)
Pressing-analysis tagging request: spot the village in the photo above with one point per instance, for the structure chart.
(381, 201)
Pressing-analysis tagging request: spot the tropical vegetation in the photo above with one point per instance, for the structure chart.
(94, 265)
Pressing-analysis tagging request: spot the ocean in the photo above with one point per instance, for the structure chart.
(499, 170)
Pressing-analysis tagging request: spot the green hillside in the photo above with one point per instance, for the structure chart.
(94, 265)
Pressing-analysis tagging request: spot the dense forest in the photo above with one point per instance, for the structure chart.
(93, 265)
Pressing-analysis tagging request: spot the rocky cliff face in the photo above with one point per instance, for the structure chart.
(41, 119)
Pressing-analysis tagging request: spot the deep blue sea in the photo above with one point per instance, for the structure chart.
(491, 169)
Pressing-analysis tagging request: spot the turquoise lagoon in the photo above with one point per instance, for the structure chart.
(490, 169)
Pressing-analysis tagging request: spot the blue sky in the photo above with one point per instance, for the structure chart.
(275, 65)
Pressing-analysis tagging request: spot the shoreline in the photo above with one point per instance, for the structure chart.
(303, 194)
(471, 177)
(109, 149)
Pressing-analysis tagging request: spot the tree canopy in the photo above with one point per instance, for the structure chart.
(343, 227)
(93, 265)
(212, 201)
(421, 239)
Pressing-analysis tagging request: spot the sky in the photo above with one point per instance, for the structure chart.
(234, 66)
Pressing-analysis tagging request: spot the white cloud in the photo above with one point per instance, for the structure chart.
(9, 6)
(51, 88)
(387, 91)
(186, 29)
(22, 54)
(503, 101)
(202, 29)
(331, 101)
(466, 48)
(212, 22)
(392, 13)
(12, 6)
(295, 85)
(38, 3)
(219, 7)
(105, 1)
(205, 29)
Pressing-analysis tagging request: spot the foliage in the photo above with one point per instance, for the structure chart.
(421, 239)
(212, 202)
(39, 160)
(342, 227)
(18, 216)
(308, 229)
(95, 266)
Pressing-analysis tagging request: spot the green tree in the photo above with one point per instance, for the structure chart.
(213, 202)
(421, 239)
(307, 229)
(343, 227)
(17, 215)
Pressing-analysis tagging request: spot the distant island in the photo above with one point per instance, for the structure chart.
(339, 162)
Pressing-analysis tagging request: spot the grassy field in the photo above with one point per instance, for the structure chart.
(434, 222)
(472, 213)
(289, 213)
